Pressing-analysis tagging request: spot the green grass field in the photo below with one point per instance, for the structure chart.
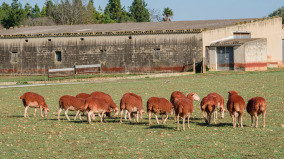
(37, 137)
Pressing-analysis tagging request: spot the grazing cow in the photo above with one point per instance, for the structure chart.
(131, 103)
(184, 108)
(108, 99)
(34, 100)
(220, 106)
(236, 106)
(71, 103)
(255, 107)
(83, 96)
(97, 106)
(160, 106)
(208, 105)
(175, 96)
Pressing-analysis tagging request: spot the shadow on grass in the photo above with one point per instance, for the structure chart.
(216, 125)
(16, 116)
(160, 126)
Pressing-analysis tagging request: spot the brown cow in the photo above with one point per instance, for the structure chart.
(157, 106)
(34, 100)
(236, 106)
(220, 106)
(96, 105)
(255, 107)
(72, 103)
(184, 108)
(131, 103)
(108, 99)
(208, 105)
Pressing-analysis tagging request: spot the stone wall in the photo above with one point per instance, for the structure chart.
(135, 53)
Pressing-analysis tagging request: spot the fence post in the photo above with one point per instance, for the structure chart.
(194, 71)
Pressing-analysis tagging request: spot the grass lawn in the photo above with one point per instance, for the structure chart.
(37, 137)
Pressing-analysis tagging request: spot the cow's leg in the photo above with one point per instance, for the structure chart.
(183, 123)
(66, 114)
(41, 111)
(188, 121)
(234, 120)
(177, 121)
(26, 112)
(256, 120)
(121, 112)
(129, 116)
(125, 115)
(215, 116)
(241, 121)
(59, 111)
(137, 117)
(102, 117)
(90, 113)
(156, 116)
(263, 119)
(204, 116)
(149, 115)
(251, 117)
(80, 117)
(78, 112)
(35, 112)
(166, 119)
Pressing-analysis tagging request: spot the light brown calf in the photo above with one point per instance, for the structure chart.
(208, 105)
(34, 100)
(236, 107)
(160, 106)
(71, 103)
(255, 107)
(108, 99)
(97, 106)
(131, 103)
(184, 108)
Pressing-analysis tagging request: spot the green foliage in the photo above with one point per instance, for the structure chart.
(279, 12)
(113, 10)
(167, 13)
(36, 12)
(139, 11)
(15, 14)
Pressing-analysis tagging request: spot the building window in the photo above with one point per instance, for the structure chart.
(242, 35)
(156, 54)
(58, 56)
(14, 57)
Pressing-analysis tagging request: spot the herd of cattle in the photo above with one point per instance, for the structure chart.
(131, 105)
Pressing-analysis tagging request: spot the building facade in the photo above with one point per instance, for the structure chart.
(143, 47)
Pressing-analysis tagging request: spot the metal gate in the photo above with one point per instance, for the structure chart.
(225, 58)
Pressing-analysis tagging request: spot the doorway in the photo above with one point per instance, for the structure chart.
(225, 58)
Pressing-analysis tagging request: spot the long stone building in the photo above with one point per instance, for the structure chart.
(234, 44)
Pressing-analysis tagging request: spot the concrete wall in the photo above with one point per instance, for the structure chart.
(239, 58)
(255, 55)
(115, 53)
(270, 29)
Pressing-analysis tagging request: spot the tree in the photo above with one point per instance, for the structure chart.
(167, 13)
(28, 10)
(113, 10)
(139, 11)
(15, 15)
(36, 11)
(279, 12)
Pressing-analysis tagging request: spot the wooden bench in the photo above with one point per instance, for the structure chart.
(61, 72)
(88, 69)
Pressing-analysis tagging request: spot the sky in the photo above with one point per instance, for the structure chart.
(185, 10)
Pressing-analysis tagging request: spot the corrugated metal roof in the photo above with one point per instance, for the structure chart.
(201, 24)
(234, 42)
